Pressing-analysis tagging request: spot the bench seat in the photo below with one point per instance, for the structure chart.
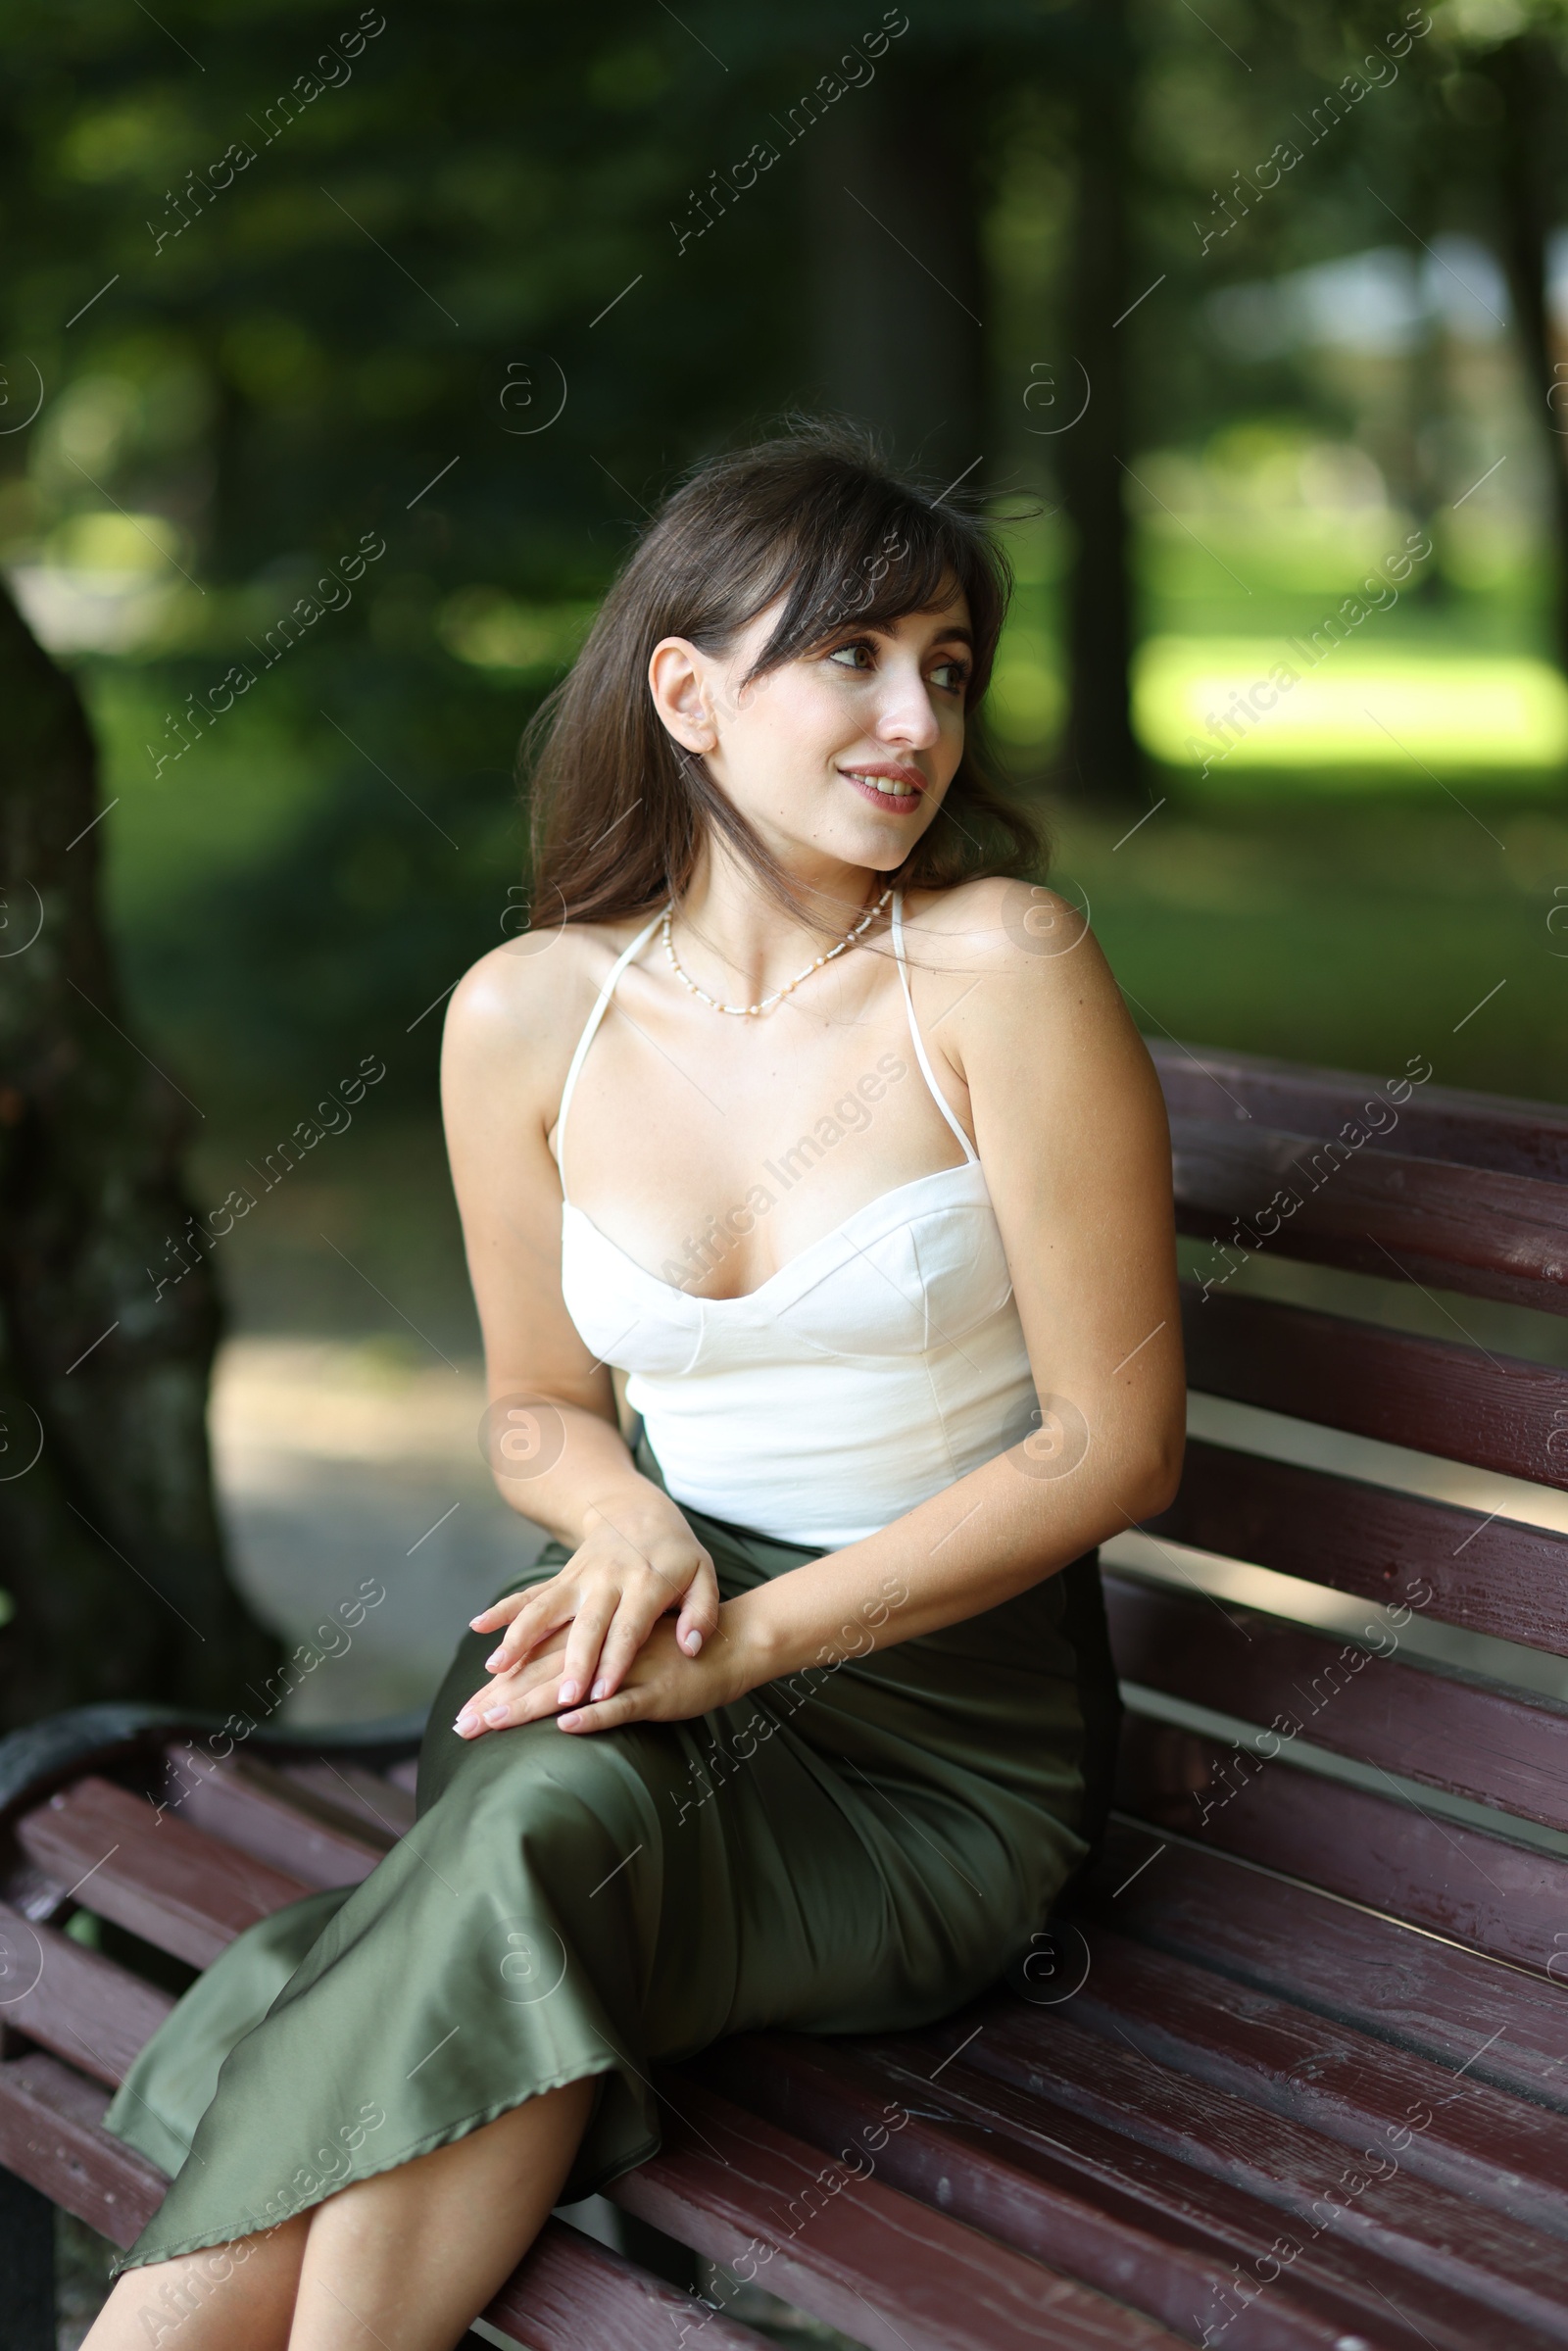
(1293, 2076)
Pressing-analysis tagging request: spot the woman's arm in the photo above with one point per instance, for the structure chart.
(555, 1451)
(1070, 1123)
(1067, 1114)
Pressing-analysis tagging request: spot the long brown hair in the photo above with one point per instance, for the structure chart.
(619, 811)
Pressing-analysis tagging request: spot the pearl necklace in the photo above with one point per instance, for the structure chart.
(766, 1003)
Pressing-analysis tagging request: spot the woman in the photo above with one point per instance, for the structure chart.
(840, 1142)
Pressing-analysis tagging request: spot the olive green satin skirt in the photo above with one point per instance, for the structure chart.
(860, 1848)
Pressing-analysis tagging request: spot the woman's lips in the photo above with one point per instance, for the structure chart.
(903, 792)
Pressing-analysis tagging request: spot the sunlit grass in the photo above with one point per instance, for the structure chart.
(1223, 704)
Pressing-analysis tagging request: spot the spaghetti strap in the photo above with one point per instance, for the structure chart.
(937, 1094)
(590, 1030)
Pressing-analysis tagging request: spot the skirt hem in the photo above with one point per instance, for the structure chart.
(445, 2137)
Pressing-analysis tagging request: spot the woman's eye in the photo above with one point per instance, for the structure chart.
(854, 657)
(951, 677)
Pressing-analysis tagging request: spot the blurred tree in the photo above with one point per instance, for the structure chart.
(114, 1559)
(1101, 755)
(1530, 157)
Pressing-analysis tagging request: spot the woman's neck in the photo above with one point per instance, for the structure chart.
(750, 942)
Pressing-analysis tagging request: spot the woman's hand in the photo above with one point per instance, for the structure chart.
(627, 1574)
(659, 1686)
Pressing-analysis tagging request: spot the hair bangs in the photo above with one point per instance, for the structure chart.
(816, 523)
(880, 554)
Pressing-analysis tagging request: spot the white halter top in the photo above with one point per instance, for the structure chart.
(879, 1364)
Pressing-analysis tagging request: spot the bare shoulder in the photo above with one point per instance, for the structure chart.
(522, 1006)
(1037, 1028)
(1032, 946)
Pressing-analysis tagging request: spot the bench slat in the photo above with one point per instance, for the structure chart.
(1467, 1738)
(1435, 1122)
(262, 1813)
(1499, 1898)
(1128, 2219)
(568, 2291)
(866, 2259)
(1341, 1962)
(377, 1804)
(1491, 1576)
(52, 2134)
(1494, 1412)
(1503, 2152)
(1502, 2263)
(85, 2008)
(565, 2291)
(1384, 1212)
(173, 1886)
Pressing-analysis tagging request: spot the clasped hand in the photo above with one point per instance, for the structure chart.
(593, 1645)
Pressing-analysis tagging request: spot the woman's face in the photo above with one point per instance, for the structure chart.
(842, 755)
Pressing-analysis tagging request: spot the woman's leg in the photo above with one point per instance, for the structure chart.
(403, 2260)
(406, 2259)
(239, 2296)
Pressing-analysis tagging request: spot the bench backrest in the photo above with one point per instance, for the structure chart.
(1369, 1751)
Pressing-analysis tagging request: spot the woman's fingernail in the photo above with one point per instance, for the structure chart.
(496, 1715)
(566, 1695)
(495, 1661)
(694, 1642)
(463, 1724)
(600, 1690)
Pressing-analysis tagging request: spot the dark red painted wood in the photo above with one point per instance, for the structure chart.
(1495, 1577)
(261, 1812)
(1309, 2177)
(568, 2293)
(150, 1873)
(1435, 1122)
(361, 1797)
(52, 2134)
(1128, 2219)
(1494, 1411)
(1502, 2151)
(86, 2009)
(1468, 1737)
(849, 2251)
(1346, 1964)
(1247, 1187)
(1499, 1898)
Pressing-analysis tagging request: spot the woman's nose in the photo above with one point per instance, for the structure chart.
(907, 714)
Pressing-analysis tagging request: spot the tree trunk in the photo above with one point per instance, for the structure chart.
(1101, 758)
(113, 1555)
(893, 231)
(1529, 79)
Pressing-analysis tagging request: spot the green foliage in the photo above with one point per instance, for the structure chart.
(289, 276)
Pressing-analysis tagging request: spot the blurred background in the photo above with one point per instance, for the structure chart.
(342, 354)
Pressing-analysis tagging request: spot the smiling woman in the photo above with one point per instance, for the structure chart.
(806, 1717)
(827, 547)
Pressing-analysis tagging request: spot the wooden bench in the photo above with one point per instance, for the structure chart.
(1295, 2075)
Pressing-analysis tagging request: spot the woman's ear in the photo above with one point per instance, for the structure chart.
(677, 681)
